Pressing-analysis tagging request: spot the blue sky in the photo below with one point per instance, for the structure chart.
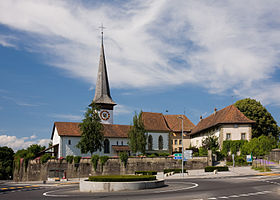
(185, 57)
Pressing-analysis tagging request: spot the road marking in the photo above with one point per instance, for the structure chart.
(47, 194)
(233, 196)
(212, 198)
(224, 197)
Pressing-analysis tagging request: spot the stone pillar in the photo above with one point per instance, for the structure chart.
(209, 159)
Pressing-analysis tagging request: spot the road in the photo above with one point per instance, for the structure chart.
(248, 187)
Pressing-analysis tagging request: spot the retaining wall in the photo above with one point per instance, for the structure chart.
(36, 171)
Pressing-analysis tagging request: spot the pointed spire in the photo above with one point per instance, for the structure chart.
(102, 90)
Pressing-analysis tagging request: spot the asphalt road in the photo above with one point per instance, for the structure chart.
(257, 188)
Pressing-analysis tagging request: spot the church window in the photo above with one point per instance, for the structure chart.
(122, 143)
(106, 146)
(175, 142)
(180, 142)
(160, 142)
(69, 142)
(117, 142)
(150, 142)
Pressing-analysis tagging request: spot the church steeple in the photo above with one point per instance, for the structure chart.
(102, 90)
(102, 95)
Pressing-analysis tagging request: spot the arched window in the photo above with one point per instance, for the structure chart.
(160, 142)
(106, 146)
(150, 142)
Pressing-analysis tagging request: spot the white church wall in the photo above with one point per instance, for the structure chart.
(155, 140)
(57, 140)
(71, 149)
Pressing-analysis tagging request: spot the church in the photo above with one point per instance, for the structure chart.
(66, 135)
(163, 132)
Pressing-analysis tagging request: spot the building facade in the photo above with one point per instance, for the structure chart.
(226, 124)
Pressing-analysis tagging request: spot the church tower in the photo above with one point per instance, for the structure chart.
(102, 95)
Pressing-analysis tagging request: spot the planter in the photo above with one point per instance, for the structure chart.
(90, 186)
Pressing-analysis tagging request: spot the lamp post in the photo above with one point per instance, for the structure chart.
(181, 117)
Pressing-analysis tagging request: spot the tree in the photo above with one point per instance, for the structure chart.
(259, 146)
(6, 162)
(137, 135)
(91, 128)
(254, 110)
(210, 143)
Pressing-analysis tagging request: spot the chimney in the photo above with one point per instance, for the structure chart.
(215, 110)
(200, 117)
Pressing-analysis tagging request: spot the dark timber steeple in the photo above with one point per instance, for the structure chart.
(102, 91)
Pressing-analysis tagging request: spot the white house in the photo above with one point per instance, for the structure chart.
(226, 124)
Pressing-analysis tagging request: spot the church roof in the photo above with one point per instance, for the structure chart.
(102, 89)
(175, 123)
(228, 115)
(154, 122)
(72, 129)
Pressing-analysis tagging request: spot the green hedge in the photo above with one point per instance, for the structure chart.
(174, 170)
(121, 178)
(146, 172)
(219, 168)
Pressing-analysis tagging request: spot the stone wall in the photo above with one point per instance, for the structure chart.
(59, 168)
(274, 155)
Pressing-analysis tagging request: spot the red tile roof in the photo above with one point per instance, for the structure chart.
(110, 130)
(174, 122)
(154, 122)
(228, 115)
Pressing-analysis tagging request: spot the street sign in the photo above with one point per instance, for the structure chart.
(248, 158)
(188, 154)
(177, 157)
(177, 154)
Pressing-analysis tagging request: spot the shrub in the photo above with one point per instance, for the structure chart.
(163, 154)
(121, 178)
(94, 161)
(124, 158)
(45, 158)
(219, 168)
(174, 170)
(203, 151)
(103, 160)
(69, 159)
(146, 172)
(77, 159)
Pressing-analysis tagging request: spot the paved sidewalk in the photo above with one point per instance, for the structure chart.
(233, 171)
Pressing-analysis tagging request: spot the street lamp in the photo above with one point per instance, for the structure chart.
(181, 117)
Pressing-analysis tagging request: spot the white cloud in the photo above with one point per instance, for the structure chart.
(121, 109)
(19, 143)
(224, 46)
(67, 117)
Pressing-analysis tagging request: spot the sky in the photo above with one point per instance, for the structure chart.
(168, 56)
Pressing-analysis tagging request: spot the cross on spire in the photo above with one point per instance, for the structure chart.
(102, 28)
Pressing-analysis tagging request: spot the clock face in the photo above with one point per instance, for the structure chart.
(105, 115)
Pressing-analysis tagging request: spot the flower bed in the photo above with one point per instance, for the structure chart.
(121, 178)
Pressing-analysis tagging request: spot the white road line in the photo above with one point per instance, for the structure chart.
(224, 197)
(233, 196)
(48, 194)
(212, 198)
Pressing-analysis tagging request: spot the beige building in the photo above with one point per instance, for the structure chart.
(174, 123)
(226, 124)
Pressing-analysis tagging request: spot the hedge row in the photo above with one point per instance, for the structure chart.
(174, 170)
(212, 168)
(121, 178)
(146, 172)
